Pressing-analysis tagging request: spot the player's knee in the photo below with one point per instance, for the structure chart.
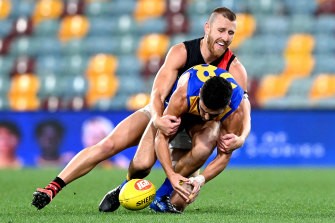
(105, 148)
(141, 165)
(139, 170)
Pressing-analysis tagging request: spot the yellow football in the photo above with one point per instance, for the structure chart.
(137, 194)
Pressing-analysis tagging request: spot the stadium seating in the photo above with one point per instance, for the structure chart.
(73, 27)
(5, 9)
(105, 54)
(47, 9)
(149, 9)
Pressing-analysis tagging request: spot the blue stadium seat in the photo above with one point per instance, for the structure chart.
(288, 103)
(22, 8)
(4, 103)
(5, 27)
(202, 7)
(153, 25)
(100, 44)
(263, 44)
(22, 46)
(300, 87)
(325, 103)
(198, 8)
(127, 25)
(115, 7)
(128, 65)
(50, 85)
(324, 44)
(268, 7)
(301, 7)
(121, 7)
(116, 103)
(74, 65)
(73, 47)
(272, 24)
(46, 64)
(325, 24)
(238, 6)
(4, 84)
(47, 45)
(324, 63)
(273, 63)
(98, 8)
(197, 24)
(48, 28)
(255, 70)
(179, 38)
(127, 44)
(131, 85)
(75, 85)
(302, 23)
(6, 64)
(103, 25)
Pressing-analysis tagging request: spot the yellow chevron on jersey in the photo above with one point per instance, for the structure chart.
(198, 75)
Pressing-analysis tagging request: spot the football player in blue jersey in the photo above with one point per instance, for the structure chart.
(209, 102)
(203, 99)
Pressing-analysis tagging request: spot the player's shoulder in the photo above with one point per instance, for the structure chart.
(178, 48)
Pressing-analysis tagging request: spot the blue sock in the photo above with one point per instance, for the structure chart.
(165, 189)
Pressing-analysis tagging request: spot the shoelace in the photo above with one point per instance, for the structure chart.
(168, 202)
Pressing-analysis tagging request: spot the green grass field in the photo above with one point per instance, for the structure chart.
(237, 195)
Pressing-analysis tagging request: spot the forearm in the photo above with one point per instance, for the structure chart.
(156, 105)
(163, 153)
(246, 120)
(215, 167)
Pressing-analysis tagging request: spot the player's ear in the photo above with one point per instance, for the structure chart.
(206, 29)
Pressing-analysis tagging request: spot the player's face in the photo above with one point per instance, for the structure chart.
(8, 141)
(220, 34)
(206, 113)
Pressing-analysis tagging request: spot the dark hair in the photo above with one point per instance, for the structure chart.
(216, 93)
(225, 12)
(53, 123)
(12, 127)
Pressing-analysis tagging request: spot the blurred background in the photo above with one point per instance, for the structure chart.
(66, 62)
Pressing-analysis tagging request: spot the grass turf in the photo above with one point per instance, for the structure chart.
(237, 195)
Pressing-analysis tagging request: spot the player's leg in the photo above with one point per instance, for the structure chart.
(139, 167)
(126, 134)
(179, 202)
(204, 138)
(179, 146)
(198, 154)
(145, 156)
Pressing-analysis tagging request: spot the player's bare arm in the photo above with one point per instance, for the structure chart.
(233, 141)
(177, 106)
(232, 125)
(235, 129)
(239, 73)
(165, 78)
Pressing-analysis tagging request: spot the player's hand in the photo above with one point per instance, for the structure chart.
(177, 180)
(197, 182)
(167, 124)
(229, 142)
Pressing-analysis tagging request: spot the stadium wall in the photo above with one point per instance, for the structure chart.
(296, 138)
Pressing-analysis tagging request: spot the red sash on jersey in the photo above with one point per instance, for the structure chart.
(226, 60)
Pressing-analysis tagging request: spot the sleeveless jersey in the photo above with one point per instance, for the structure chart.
(194, 57)
(198, 76)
